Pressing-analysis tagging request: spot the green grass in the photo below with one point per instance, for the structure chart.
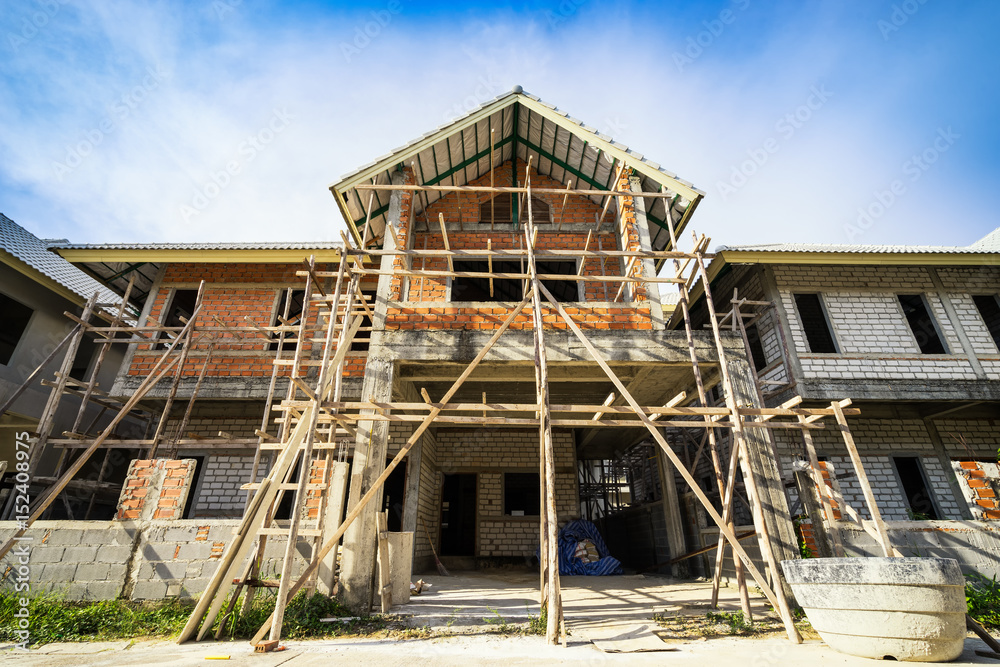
(54, 619)
(982, 596)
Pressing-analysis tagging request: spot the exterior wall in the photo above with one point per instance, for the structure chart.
(490, 453)
(427, 302)
(871, 331)
(46, 329)
(878, 440)
(235, 295)
(104, 560)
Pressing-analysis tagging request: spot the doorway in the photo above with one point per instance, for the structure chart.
(458, 515)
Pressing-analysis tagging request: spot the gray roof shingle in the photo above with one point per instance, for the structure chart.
(33, 251)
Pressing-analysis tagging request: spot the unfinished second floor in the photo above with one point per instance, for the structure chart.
(875, 322)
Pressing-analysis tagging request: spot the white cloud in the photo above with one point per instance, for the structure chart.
(225, 80)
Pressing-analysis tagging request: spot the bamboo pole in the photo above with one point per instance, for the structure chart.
(706, 503)
(866, 488)
(554, 621)
(740, 443)
(403, 451)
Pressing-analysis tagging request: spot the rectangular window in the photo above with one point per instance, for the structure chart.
(14, 317)
(814, 323)
(294, 313)
(520, 494)
(511, 289)
(921, 323)
(756, 347)
(918, 495)
(989, 309)
(178, 313)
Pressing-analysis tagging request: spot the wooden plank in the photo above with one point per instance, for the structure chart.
(866, 488)
(377, 485)
(695, 488)
(516, 190)
(384, 579)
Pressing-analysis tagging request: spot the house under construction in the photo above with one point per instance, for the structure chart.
(487, 354)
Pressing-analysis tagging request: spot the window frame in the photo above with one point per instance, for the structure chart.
(924, 480)
(483, 220)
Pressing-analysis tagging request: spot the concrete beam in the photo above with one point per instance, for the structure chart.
(889, 389)
(623, 347)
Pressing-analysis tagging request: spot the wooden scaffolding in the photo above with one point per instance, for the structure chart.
(314, 422)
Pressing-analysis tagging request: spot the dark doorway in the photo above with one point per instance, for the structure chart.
(392, 497)
(458, 515)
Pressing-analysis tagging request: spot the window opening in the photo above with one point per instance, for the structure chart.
(14, 317)
(989, 309)
(918, 495)
(520, 494)
(814, 323)
(756, 347)
(921, 323)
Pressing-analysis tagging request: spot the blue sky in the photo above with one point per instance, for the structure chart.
(860, 122)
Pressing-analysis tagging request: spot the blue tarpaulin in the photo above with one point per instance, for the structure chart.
(570, 537)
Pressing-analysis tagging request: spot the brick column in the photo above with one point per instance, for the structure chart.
(155, 489)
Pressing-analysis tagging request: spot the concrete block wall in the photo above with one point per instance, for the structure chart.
(136, 560)
(637, 536)
(871, 331)
(491, 453)
(218, 492)
(878, 440)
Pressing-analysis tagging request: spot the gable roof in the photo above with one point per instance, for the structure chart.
(29, 254)
(563, 148)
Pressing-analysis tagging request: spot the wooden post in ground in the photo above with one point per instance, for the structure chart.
(554, 622)
(376, 487)
(776, 598)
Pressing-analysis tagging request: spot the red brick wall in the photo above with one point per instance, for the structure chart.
(465, 206)
(155, 489)
(229, 301)
(982, 492)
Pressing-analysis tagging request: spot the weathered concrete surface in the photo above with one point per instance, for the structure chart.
(909, 609)
(974, 544)
(876, 389)
(138, 560)
(669, 347)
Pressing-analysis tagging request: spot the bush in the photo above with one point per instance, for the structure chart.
(982, 596)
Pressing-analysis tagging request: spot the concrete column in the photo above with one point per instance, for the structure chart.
(956, 324)
(358, 574)
(648, 265)
(358, 578)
